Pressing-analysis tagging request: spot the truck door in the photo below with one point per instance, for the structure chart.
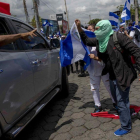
(40, 57)
(16, 77)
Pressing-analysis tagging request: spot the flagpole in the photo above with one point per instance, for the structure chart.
(125, 22)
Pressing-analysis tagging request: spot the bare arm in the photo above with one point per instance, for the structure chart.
(126, 33)
(6, 39)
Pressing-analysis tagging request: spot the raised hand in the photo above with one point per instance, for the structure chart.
(25, 36)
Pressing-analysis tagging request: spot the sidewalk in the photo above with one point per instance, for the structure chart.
(70, 119)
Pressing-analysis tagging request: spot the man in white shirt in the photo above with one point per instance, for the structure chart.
(131, 34)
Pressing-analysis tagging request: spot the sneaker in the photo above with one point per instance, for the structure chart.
(97, 109)
(82, 75)
(121, 132)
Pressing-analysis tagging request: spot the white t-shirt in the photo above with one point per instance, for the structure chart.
(96, 67)
(132, 34)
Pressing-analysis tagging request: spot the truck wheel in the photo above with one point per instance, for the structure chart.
(64, 84)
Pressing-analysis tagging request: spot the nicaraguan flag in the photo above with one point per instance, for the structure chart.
(73, 49)
(46, 23)
(126, 15)
(58, 33)
(122, 23)
(113, 18)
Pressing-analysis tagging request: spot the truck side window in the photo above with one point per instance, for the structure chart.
(3, 31)
(36, 42)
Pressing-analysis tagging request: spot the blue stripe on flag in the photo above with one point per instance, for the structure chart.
(89, 34)
(114, 15)
(86, 58)
(66, 51)
(113, 18)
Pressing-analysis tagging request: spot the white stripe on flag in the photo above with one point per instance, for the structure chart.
(78, 50)
(123, 14)
(113, 19)
(128, 5)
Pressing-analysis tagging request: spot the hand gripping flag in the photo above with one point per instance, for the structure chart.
(113, 18)
(126, 15)
(73, 49)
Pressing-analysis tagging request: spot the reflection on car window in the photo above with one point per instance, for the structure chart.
(10, 46)
(36, 42)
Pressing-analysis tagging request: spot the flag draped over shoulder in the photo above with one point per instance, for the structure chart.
(126, 15)
(113, 18)
(73, 49)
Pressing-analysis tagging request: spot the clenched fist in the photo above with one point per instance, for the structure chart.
(78, 24)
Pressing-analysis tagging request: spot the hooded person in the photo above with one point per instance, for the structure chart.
(117, 64)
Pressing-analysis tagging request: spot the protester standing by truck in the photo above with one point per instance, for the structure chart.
(117, 64)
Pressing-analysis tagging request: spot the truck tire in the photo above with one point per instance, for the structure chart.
(64, 84)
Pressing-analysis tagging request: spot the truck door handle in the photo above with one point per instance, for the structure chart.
(1, 71)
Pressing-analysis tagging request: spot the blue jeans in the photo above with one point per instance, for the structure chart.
(122, 100)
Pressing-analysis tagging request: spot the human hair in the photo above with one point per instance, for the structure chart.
(92, 25)
(130, 24)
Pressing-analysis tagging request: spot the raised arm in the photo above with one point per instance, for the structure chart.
(7, 39)
(86, 40)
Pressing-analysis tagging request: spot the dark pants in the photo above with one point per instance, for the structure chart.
(82, 66)
(76, 65)
(122, 100)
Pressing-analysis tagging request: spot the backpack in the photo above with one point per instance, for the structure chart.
(137, 34)
(117, 45)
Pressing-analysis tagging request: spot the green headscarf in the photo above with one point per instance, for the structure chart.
(103, 34)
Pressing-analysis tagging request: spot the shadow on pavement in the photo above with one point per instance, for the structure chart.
(107, 105)
(46, 122)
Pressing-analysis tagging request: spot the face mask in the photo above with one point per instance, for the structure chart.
(99, 34)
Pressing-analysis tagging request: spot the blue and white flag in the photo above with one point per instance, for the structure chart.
(46, 23)
(73, 49)
(113, 18)
(126, 14)
(58, 33)
(122, 23)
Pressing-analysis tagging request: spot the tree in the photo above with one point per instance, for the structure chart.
(33, 22)
(94, 21)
